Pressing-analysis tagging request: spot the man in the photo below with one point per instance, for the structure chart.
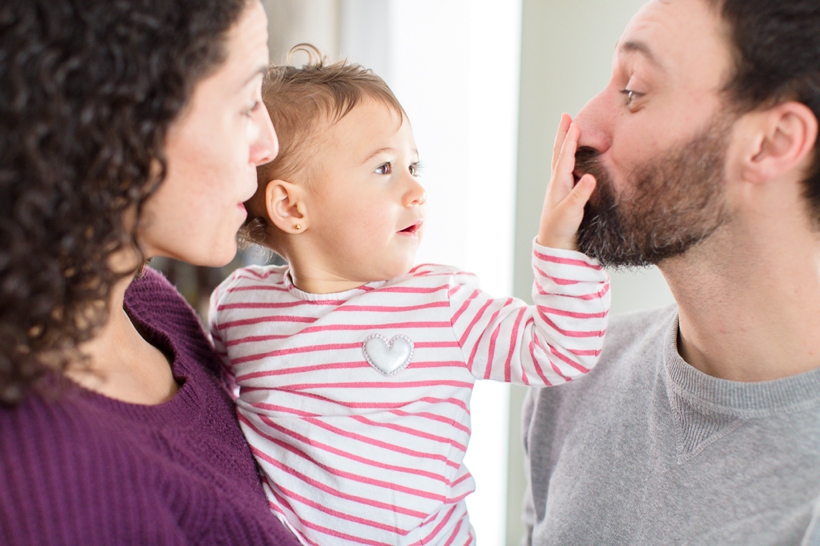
(701, 424)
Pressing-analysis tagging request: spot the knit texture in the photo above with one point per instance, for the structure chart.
(80, 468)
(649, 450)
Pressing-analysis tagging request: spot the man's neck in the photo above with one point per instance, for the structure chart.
(749, 304)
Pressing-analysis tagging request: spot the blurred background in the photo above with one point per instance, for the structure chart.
(484, 83)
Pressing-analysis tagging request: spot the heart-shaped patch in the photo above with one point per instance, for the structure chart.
(388, 357)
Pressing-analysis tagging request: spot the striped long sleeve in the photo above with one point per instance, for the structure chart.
(551, 342)
(357, 404)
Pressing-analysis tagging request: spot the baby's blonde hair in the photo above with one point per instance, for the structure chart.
(302, 101)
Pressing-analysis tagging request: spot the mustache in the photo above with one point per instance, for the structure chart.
(587, 162)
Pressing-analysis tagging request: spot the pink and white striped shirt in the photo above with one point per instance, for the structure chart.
(357, 404)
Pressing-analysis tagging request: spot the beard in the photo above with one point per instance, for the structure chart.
(671, 203)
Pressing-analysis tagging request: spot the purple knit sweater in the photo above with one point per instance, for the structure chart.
(85, 469)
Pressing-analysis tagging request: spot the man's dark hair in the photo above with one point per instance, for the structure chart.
(777, 58)
(88, 91)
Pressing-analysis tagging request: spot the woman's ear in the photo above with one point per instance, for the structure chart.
(785, 135)
(286, 206)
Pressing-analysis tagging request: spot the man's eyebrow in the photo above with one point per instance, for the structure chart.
(643, 49)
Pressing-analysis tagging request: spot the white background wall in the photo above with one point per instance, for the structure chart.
(484, 83)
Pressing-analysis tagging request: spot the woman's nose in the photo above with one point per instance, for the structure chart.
(266, 145)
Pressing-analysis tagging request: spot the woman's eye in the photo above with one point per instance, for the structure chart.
(631, 96)
(252, 109)
(385, 168)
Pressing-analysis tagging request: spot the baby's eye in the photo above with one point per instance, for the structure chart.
(384, 168)
(631, 96)
(414, 169)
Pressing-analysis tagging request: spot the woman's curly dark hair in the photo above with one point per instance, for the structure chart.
(89, 89)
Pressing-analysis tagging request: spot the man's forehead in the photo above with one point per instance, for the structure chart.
(665, 29)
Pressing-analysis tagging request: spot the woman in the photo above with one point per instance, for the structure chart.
(129, 130)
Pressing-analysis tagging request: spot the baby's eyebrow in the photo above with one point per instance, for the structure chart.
(377, 152)
(388, 149)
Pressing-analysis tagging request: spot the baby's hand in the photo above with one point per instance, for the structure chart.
(564, 204)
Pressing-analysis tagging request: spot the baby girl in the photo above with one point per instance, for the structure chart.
(353, 366)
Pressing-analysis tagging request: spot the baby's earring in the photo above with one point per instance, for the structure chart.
(297, 227)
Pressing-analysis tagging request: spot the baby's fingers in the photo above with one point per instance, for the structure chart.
(580, 194)
(562, 178)
(560, 136)
(559, 223)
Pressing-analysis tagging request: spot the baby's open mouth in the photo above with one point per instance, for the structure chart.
(412, 228)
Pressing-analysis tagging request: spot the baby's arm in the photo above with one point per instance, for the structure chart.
(561, 336)
(551, 342)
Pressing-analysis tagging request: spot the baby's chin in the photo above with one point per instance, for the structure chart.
(394, 271)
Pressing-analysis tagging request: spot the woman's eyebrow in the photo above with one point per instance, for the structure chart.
(260, 70)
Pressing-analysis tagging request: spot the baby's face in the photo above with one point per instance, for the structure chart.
(367, 206)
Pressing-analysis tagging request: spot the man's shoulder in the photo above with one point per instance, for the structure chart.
(629, 331)
(631, 355)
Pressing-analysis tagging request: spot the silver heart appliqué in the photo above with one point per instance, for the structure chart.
(388, 357)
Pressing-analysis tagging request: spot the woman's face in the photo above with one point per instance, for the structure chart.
(212, 152)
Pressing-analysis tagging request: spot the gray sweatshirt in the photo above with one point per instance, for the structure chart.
(646, 449)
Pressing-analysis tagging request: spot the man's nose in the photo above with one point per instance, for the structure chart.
(595, 121)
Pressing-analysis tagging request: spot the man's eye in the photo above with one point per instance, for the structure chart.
(631, 96)
(385, 168)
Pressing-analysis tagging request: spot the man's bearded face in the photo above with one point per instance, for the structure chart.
(669, 204)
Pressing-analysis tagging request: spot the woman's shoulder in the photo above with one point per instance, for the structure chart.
(156, 301)
(167, 321)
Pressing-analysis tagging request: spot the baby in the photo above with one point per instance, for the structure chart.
(353, 367)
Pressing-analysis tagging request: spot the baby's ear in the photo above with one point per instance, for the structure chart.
(286, 206)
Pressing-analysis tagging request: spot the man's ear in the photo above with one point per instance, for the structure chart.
(784, 137)
(286, 206)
